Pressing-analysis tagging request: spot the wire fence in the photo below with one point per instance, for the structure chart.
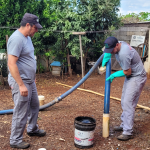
(73, 32)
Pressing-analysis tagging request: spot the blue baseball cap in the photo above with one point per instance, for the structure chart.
(31, 18)
(110, 44)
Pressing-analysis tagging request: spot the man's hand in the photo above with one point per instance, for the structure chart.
(23, 90)
(106, 58)
(111, 77)
(116, 74)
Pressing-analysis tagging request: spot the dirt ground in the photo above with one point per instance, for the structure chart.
(58, 120)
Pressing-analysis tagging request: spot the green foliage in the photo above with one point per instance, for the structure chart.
(83, 15)
(62, 15)
(133, 17)
(11, 13)
(144, 16)
(44, 39)
(98, 15)
(40, 68)
(67, 20)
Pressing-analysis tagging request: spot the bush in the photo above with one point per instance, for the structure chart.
(40, 68)
(3, 67)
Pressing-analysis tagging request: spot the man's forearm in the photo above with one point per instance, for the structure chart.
(15, 73)
(127, 72)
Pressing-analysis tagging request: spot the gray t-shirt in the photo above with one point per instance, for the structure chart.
(129, 58)
(22, 47)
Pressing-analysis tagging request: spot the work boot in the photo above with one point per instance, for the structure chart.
(118, 128)
(39, 133)
(124, 137)
(22, 145)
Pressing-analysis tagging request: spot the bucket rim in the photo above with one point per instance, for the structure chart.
(85, 117)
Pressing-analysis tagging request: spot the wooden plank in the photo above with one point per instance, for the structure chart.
(56, 73)
(128, 41)
(56, 68)
(134, 29)
(129, 33)
(79, 33)
(139, 24)
(136, 33)
(123, 33)
(124, 38)
(116, 33)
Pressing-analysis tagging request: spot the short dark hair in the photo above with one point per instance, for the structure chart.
(23, 24)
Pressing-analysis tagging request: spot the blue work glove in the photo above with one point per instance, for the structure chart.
(116, 74)
(106, 58)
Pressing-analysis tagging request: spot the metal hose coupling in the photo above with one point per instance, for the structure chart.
(57, 99)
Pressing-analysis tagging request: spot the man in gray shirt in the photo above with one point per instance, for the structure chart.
(21, 78)
(135, 78)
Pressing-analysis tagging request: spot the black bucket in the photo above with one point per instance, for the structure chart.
(84, 132)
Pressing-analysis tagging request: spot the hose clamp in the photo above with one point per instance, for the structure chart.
(57, 99)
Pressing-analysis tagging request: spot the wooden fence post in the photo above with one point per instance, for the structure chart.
(6, 52)
(81, 57)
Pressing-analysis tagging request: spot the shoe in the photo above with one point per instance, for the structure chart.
(124, 137)
(118, 128)
(39, 133)
(22, 145)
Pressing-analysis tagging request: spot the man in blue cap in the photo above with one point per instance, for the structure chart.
(135, 78)
(21, 78)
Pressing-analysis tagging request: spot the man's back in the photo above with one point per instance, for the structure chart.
(129, 58)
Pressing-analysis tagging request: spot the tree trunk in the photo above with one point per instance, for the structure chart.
(38, 64)
(68, 60)
(2, 79)
(47, 63)
(84, 61)
(69, 65)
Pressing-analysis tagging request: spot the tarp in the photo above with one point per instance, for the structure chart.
(55, 63)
